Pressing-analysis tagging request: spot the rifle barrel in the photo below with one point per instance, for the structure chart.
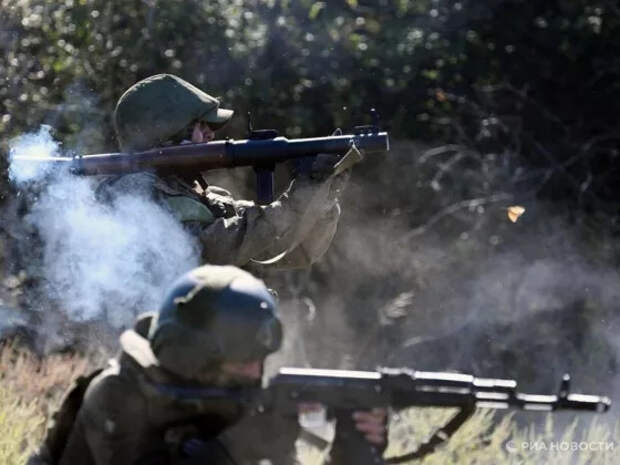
(399, 388)
(403, 388)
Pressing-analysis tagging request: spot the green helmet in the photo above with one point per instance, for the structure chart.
(161, 107)
(214, 314)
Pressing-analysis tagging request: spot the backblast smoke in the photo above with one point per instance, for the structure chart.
(100, 259)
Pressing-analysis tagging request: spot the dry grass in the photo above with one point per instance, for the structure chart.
(36, 378)
(486, 440)
(21, 427)
(31, 387)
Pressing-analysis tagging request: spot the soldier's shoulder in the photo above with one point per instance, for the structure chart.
(112, 405)
(113, 388)
(110, 187)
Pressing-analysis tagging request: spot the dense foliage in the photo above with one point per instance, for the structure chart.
(535, 83)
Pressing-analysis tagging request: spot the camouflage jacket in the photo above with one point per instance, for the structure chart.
(296, 229)
(122, 421)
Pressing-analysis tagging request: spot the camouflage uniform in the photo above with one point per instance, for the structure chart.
(302, 222)
(123, 420)
(298, 226)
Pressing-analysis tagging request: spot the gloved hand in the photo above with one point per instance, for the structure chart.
(361, 437)
(324, 165)
(373, 424)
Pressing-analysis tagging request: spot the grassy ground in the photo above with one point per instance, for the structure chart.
(30, 388)
(484, 439)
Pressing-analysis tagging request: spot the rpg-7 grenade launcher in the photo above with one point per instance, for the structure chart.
(262, 150)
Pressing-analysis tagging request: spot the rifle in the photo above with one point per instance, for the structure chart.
(389, 387)
(401, 388)
(262, 150)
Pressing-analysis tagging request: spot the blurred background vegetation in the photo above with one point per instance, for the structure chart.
(533, 82)
(489, 104)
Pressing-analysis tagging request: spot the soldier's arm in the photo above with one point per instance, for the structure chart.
(300, 225)
(314, 245)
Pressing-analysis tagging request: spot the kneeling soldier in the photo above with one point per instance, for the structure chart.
(214, 330)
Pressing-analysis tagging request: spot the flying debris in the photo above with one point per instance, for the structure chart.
(515, 212)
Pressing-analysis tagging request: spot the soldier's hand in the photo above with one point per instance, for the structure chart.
(323, 166)
(318, 167)
(326, 164)
(373, 424)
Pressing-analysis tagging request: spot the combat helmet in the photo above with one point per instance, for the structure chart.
(159, 108)
(214, 314)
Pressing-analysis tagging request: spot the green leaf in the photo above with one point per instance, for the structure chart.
(315, 9)
(431, 74)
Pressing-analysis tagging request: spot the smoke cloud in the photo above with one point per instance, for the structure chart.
(100, 259)
(473, 292)
(34, 146)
